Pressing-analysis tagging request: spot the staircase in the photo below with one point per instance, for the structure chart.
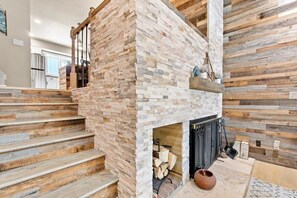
(45, 150)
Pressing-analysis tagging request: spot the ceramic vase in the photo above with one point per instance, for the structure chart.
(205, 179)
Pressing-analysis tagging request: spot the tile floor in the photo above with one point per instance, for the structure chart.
(267, 180)
(279, 175)
(233, 178)
(262, 189)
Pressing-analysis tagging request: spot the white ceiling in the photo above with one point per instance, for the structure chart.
(51, 20)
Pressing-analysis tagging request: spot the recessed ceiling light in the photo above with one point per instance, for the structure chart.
(37, 21)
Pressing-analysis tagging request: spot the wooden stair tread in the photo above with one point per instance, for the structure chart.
(84, 187)
(19, 175)
(41, 120)
(39, 104)
(13, 146)
(34, 89)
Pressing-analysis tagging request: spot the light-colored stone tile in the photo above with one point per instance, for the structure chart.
(142, 58)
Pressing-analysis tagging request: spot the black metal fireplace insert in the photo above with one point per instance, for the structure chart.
(205, 141)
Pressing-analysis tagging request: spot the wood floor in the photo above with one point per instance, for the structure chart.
(279, 175)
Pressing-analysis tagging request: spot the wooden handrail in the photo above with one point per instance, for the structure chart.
(92, 14)
(74, 33)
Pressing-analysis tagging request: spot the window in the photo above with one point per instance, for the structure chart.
(53, 62)
(52, 66)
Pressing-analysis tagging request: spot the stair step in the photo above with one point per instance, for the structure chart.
(25, 90)
(33, 111)
(14, 146)
(29, 95)
(40, 104)
(28, 156)
(19, 175)
(36, 121)
(84, 187)
(31, 131)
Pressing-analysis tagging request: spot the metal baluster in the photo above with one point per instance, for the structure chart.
(77, 56)
(82, 60)
(87, 66)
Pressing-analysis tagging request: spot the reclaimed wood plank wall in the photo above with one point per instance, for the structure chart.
(195, 11)
(260, 70)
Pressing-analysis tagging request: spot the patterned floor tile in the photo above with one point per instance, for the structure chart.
(261, 189)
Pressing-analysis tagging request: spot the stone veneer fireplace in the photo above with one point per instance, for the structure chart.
(142, 58)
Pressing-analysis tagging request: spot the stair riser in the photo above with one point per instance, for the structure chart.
(29, 131)
(108, 192)
(49, 182)
(29, 156)
(16, 112)
(27, 96)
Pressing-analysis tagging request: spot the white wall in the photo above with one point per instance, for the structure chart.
(38, 45)
(15, 60)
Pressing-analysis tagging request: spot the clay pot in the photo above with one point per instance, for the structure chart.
(205, 179)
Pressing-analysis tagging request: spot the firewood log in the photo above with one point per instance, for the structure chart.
(155, 148)
(166, 172)
(162, 155)
(171, 160)
(164, 167)
(160, 175)
(156, 172)
(157, 162)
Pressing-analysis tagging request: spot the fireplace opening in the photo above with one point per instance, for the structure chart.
(205, 142)
(167, 159)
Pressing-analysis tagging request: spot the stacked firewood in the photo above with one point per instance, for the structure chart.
(163, 161)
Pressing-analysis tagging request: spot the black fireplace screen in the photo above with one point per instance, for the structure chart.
(204, 143)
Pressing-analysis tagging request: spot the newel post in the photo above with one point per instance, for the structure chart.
(73, 75)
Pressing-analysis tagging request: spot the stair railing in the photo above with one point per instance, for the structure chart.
(80, 67)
